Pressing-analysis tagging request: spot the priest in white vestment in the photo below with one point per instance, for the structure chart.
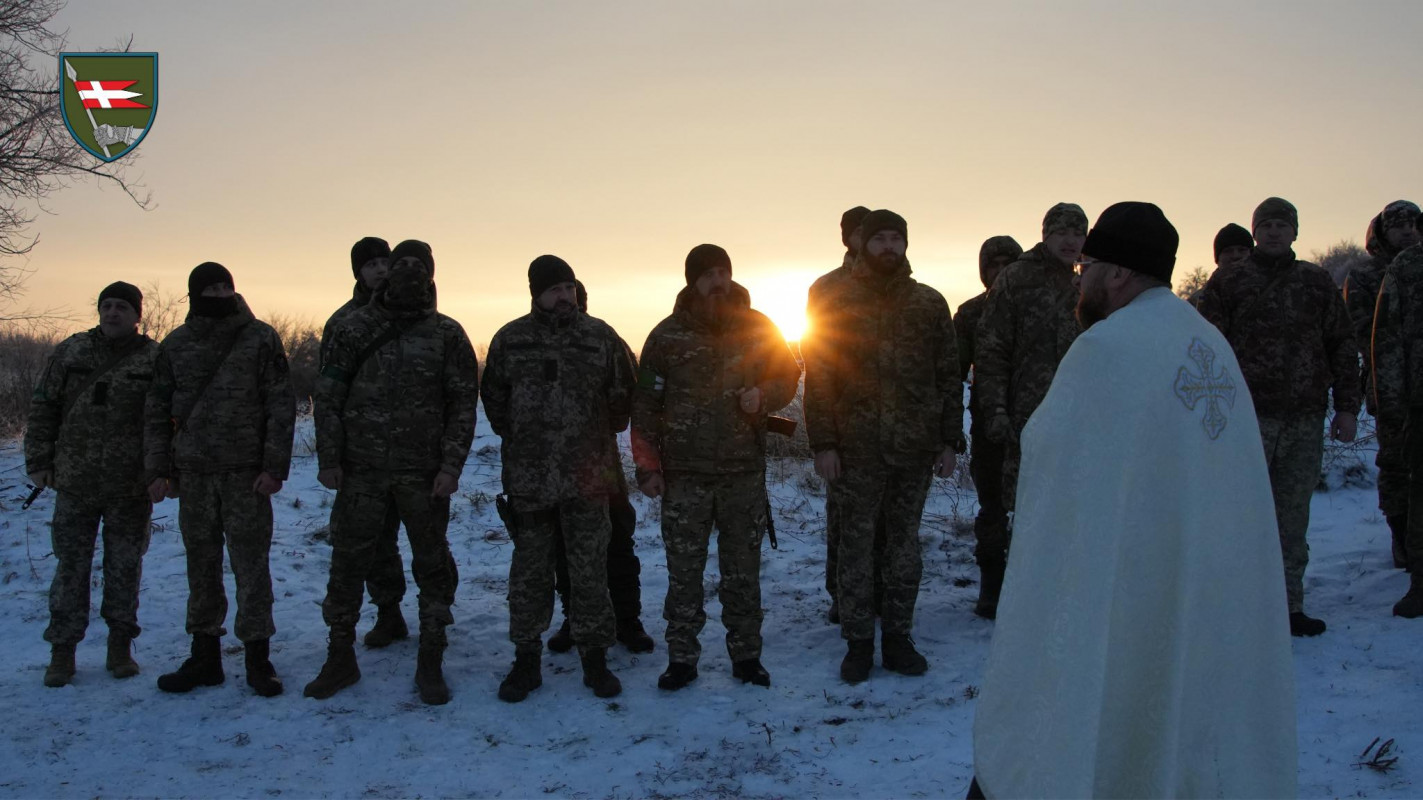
(1142, 646)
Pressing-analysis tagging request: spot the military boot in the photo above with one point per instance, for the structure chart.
(990, 585)
(634, 637)
(596, 675)
(61, 666)
(1398, 526)
(339, 671)
(120, 661)
(430, 675)
(261, 675)
(390, 626)
(677, 675)
(202, 668)
(562, 641)
(1411, 606)
(749, 670)
(526, 676)
(898, 655)
(858, 661)
(1304, 625)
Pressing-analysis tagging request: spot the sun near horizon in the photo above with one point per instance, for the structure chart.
(780, 294)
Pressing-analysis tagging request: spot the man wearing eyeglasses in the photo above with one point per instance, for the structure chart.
(1141, 649)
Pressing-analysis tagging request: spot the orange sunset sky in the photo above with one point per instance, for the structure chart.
(618, 135)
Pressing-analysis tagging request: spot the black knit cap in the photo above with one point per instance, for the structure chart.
(367, 249)
(1136, 236)
(126, 292)
(882, 220)
(417, 249)
(1275, 208)
(546, 272)
(702, 258)
(849, 221)
(206, 274)
(1232, 235)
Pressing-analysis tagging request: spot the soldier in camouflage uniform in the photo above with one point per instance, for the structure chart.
(624, 568)
(884, 411)
(395, 415)
(370, 262)
(710, 375)
(818, 317)
(85, 440)
(1390, 232)
(1397, 393)
(1289, 328)
(985, 464)
(1029, 320)
(219, 421)
(557, 386)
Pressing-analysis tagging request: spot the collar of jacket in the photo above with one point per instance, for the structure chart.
(377, 301)
(361, 295)
(1285, 259)
(863, 272)
(107, 345)
(1046, 257)
(691, 311)
(207, 326)
(550, 320)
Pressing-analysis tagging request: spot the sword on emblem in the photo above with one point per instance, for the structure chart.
(74, 79)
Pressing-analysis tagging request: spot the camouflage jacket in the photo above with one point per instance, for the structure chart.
(1029, 321)
(408, 405)
(966, 331)
(686, 413)
(882, 383)
(243, 419)
(1291, 334)
(360, 298)
(816, 314)
(97, 447)
(1361, 291)
(555, 391)
(1397, 351)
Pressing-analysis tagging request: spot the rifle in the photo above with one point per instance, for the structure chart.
(34, 493)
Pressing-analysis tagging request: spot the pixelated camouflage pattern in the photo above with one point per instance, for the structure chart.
(360, 298)
(245, 417)
(1068, 216)
(97, 449)
(410, 406)
(556, 390)
(1295, 342)
(1397, 342)
(892, 496)
(584, 527)
(216, 508)
(735, 504)
(1398, 214)
(1294, 452)
(882, 380)
(1361, 286)
(686, 413)
(624, 567)
(77, 517)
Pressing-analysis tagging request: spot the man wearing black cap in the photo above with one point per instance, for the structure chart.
(884, 413)
(1141, 649)
(395, 415)
(711, 374)
(370, 261)
(1390, 232)
(219, 421)
(557, 386)
(990, 527)
(84, 439)
(1232, 245)
(1290, 330)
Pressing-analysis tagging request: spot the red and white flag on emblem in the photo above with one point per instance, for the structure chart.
(107, 94)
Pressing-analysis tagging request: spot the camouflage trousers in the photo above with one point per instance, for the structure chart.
(584, 527)
(363, 505)
(73, 532)
(1393, 463)
(386, 580)
(1412, 453)
(833, 502)
(1294, 452)
(990, 527)
(624, 568)
(896, 495)
(691, 506)
(219, 507)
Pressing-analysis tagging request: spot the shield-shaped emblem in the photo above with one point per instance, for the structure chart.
(108, 100)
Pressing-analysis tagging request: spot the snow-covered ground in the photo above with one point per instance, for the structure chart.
(809, 735)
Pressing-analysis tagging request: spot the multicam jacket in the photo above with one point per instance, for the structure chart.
(97, 446)
(555, 389)
(686, 413)
(243, 419)
(360, 298)
(882, 383)
(1291, 333)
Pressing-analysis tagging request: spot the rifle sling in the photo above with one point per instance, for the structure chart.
(104, 368)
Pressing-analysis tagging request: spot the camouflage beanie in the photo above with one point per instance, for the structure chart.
(1399, 214)
(882, 220)
(126, 292)
(414, 248)
(849, 221)
(704, 257)
(1069, 216)
(1232, 235)
(1136, 236)
(207, 274)
(546, 272)
(1275, 208)
(996, 247)
(367, 249)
